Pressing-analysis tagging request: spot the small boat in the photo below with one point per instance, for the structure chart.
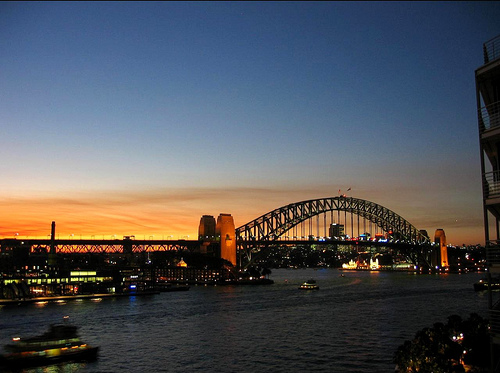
(254, 281)
(167, 287)
(483, 284)
(59, 344)
(309, 285)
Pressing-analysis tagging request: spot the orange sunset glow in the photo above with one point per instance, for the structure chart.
(113, 125)
(175, 213)
(239, 186)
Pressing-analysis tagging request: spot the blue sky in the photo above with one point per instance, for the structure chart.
(144, 116)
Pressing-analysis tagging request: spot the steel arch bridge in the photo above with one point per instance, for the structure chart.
(274, 224)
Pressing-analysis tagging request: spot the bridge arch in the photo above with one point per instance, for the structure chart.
(274, 224)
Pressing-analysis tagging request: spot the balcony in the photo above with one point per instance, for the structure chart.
(491, 185)
(493, 256)
(489, 117)
(491, 49)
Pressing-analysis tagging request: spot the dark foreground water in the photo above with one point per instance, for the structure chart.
(352, 324)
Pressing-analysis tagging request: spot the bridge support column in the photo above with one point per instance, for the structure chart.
(440, 239)
(206, 232)
(226, 232)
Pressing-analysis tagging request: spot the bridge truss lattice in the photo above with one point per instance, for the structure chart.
(276, 223)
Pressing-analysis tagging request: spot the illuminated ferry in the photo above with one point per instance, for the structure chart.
(483, 284)
(309, 285)
(60, 343)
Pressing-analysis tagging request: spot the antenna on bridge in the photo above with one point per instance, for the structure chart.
(343, 195)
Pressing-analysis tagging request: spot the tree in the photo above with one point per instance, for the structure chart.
(447, 348)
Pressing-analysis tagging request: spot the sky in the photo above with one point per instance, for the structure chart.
(137, 118)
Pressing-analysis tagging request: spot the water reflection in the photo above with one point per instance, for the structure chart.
(57, 368)
(353, 324)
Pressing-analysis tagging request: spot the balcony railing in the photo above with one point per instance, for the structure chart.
(491, 184)
(491, 49)
(494, 315)
(493, 253)
(489, 116)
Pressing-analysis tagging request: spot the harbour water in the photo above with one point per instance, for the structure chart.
(354, 323)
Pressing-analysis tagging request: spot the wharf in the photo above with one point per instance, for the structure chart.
(4, 302)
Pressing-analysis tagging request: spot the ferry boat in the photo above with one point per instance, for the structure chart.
(483, 284)
(60, 343)
(309, 285)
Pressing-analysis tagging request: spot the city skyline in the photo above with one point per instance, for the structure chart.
(137, 118)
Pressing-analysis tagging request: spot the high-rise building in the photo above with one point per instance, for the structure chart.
(488, 107)
(336, 230)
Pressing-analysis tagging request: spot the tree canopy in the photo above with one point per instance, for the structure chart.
(457, 346)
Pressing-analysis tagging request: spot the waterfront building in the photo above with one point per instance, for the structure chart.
(192, 275)
(374, 265)
(35, 283)
(351, 265)
(488, 108)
